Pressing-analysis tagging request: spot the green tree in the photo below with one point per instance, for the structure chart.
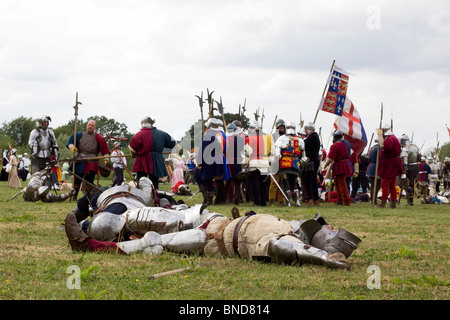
(18, 130)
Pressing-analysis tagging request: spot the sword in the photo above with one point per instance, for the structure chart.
(287, 199)
(20, 192)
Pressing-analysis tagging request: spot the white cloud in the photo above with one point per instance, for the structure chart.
(128, 59)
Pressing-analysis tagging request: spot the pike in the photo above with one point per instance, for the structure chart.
(210, 103)
(85, 181)
(200, 102)
(220, 108)
(274, 123)
(75, 125)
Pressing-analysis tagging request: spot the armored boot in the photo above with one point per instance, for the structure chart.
(285, 251)
(296, 196)
(77, 238)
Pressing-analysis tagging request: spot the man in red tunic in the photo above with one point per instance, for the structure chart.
(391, 165)
(339, 157)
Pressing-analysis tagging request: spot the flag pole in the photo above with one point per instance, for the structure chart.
(324, 90)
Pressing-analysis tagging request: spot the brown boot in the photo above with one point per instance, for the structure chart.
(382, 204)
(393, 204)
(310, 202)
(210, 197)
(77, 238)
(317, 203)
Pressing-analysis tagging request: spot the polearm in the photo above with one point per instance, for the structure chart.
(274, 123)
(376, 164)
(324, 90)
(75, 128)
(200, 102)
(220, 108)
(95, 158)
(87, 182)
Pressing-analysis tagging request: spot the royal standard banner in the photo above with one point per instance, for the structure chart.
(334, 100)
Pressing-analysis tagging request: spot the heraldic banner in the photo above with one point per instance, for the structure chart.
(334, 100)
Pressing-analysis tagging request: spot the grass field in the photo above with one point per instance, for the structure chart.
(407, 249)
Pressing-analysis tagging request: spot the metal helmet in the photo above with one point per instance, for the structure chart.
(255, 125)
(404, 140)
(231, 128)
(338, 136)
(43, 122)
(310, 126)
(237, 123)
(280, 122)
(105, 226)
(290, 128)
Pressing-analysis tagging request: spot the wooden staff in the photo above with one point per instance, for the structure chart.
(167, 273)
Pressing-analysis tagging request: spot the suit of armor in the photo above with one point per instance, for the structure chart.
(43, 145)
(253, 237)
(410, 158)
(39, 186)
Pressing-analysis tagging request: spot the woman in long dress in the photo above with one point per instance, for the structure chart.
(13, 178)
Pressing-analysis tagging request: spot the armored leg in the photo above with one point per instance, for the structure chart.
(296, 196)
(290, 252)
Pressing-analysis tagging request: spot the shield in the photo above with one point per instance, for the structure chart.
(105, 169)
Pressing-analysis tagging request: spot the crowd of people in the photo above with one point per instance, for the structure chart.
(287, 166)
(290, 166)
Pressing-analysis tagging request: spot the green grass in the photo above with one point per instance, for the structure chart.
(410, 245)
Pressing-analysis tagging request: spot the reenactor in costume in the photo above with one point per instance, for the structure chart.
(372, 155)
(254, 237)
(212, 167)
(235, 147)
(274, 192)
(39, 188)
(312, 151)
(89, 144)
(289, 149)
(410, 158)
(147, 146)
(434, 177)
(446, 173)
(391, 165)
(119, 164)
(423, 179)
(338, 157)
(257, 162)
(43, 145)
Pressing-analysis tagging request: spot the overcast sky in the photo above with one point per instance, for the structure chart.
(129, 59)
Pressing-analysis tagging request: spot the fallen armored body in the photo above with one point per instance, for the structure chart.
(254, 236)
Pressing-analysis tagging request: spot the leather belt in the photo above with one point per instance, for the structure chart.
(236, 233)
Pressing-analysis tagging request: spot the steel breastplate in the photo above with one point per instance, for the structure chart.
(88, 145)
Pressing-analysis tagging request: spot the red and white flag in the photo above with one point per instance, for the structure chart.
(351, 126)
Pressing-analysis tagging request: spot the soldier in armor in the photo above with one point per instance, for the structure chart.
(434, 177)
(43, 145)
(423, 178)
(88, 144)
(253, 237)
(39, 186)
(235, 146)
(410, 158)
(289, 149)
